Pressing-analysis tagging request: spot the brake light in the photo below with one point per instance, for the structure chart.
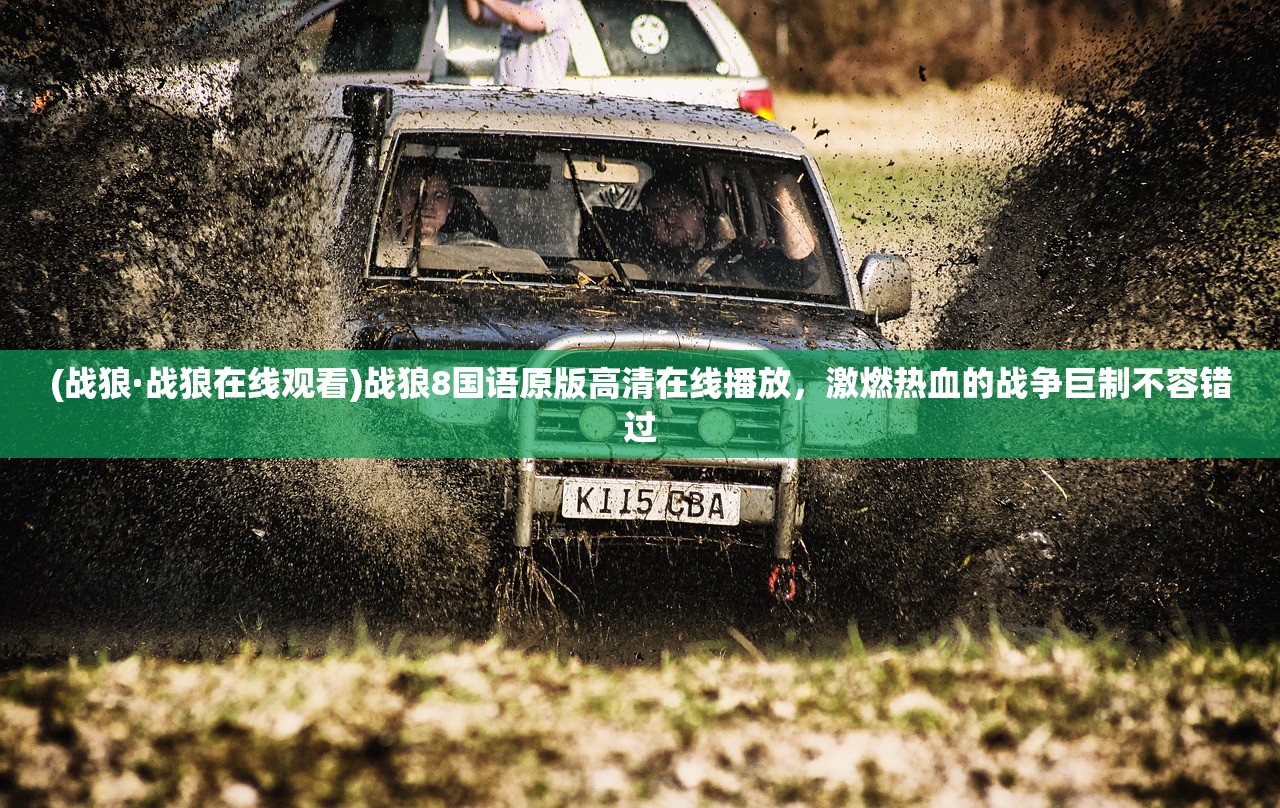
(41, 102)
(758, 101)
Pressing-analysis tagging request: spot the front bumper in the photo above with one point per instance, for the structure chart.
(774, 506)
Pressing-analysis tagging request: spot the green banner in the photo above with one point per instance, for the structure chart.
(640, 404)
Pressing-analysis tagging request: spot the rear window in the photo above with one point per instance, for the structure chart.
(653, 38)
(367, 36)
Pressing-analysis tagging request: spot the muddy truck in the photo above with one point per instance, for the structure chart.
(488, 219)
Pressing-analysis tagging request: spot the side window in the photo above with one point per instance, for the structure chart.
(473, 49)
(367, 36)
(313, 40)
(653, 37)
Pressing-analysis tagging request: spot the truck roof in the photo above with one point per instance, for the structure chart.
(493, 109)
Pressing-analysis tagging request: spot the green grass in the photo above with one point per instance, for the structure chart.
(1068, 720)
(917, 204)
(931, 209)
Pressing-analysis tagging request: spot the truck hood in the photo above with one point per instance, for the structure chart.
(504, 317)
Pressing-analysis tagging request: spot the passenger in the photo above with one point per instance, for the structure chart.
(691, 245)
(534, 39)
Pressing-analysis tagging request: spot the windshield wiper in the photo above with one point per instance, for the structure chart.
(588, 216)
(416, 252)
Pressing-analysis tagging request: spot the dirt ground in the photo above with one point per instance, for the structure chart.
(956, 723)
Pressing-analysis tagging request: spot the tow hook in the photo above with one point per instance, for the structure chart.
(782, 581)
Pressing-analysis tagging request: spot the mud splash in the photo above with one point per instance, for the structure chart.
(130, 226)
(133, 226)
(1151, 221)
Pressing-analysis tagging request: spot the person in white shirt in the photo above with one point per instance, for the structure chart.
(534, 39)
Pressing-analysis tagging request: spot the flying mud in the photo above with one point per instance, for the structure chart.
(1149, 221)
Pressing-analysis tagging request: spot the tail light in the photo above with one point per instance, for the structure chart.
(758, 101)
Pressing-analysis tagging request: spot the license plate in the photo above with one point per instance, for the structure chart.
(652, 501)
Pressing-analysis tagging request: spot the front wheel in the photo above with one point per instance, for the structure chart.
(792, 597)
(525, 596)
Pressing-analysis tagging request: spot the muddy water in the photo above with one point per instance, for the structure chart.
(1151, 221)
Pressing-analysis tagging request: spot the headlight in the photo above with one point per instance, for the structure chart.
(597, 422)
(716, 427)
(842, 422)
(463, 412)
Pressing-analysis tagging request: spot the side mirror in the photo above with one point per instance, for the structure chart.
(368, 107)
(885, 282)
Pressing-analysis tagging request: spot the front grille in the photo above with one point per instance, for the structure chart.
(757, 432)
(643, 470)
(758, 424)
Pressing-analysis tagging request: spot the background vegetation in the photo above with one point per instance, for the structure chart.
(879, 46)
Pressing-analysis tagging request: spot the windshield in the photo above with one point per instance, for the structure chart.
(576, 210)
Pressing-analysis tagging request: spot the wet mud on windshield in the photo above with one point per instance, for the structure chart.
(1149, 222)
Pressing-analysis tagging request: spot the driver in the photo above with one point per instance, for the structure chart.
(445, 215)
(691, 245)
(431, 197)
